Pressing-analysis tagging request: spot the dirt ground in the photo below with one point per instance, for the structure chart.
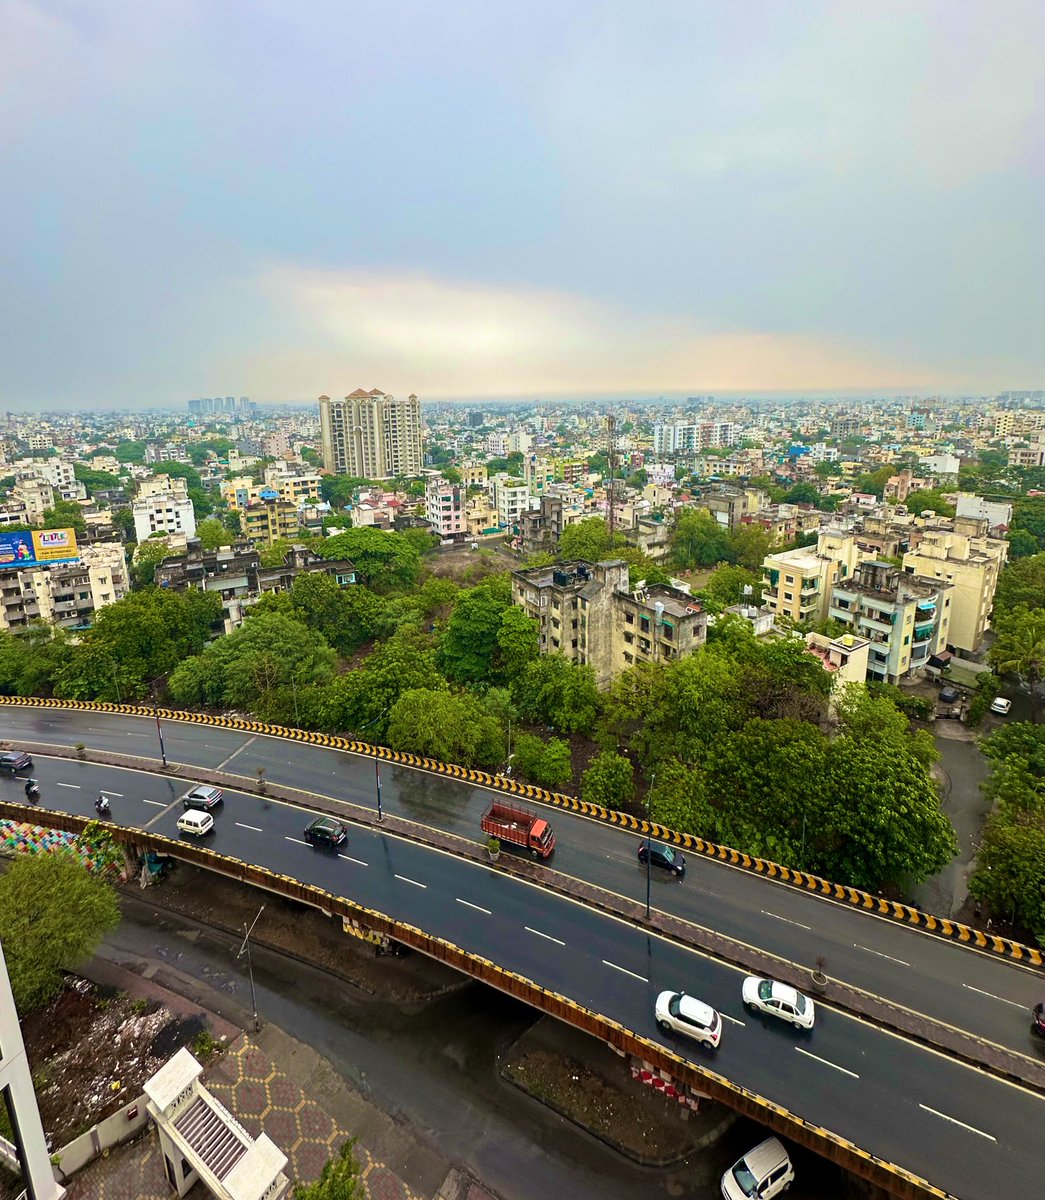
(91, 1053)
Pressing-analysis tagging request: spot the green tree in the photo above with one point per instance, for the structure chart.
(587, 540)
(55, 914)
(749, 545)
(1021, 583)
(470, 651)
(874, 482)
(518, 642)
(726, 586)
(386, 561)
(1028, 516)
(148, 556)
(557, 692)
(1019, 647)
(698, 540)
(545, 763)
(65, 514)
(1022, 543)
(679, 800)
(609, 780)
(32, 658)
(922, 501)
(200, 452)
(802, 493)
(339, 1179)
(1010, 872)
(94, 481)
(451, 728)
(212, 534)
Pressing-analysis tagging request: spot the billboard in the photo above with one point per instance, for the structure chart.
(42, 547)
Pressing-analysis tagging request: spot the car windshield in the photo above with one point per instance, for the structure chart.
(667, 854)
(801, 1003)
(747, 1183)
(765, 990)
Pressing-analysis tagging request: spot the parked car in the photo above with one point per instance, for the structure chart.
(761, 1174)
(678, 1013)
(13, 761)
(778, 1000)
(197, 823)
(1001, 706)
(1037, 1025)
(950, 694)
(326, 833)
(666, 857)
(203, 797)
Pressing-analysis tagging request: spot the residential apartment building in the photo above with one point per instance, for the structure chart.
(235, 573)
(997, 513)
(511, 499)
(270, 519)
(35, 496)
(798, 582)
(694, 437)
(371, 435)
(67, 594)
(293, 485)
(445, 508)
(587, 613)
(730, 505)
(162, 505)
(961, 553)
(906, 619)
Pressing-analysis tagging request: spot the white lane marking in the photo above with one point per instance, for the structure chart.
(349, 858)
(900, 961)
(407, 879)
(954, 1121)
(992, 996)
(297, 840)
(225, 761)
(144, 735)
(156, 803)
(624, 971)
(827, 1062)
(787, 920)
(727, 1017)
(108, 793)
(477, 907)
(256, 828)
(68, 785)
(548, 936)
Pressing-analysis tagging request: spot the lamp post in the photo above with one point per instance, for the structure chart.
(159, 734)
(377, 771)
(245, 949)
(649, 841)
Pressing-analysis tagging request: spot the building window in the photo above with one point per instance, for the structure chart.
(630, 618)
(789, 596)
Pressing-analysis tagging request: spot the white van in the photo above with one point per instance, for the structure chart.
(196, 822)
(761, 1174)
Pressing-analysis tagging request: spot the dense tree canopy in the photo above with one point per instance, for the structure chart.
(386, 561)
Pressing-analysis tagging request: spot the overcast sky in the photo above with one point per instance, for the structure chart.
(282, 197)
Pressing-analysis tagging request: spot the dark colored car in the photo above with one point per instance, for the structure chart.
(326, 832)
(1037, 1024)
(13, 761)
(665, 857)
(950, 695)
(202, 797)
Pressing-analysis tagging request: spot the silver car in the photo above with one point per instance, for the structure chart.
(778, 1000)
(203, 797)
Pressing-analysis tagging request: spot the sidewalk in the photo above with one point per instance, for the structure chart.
(275, 1084)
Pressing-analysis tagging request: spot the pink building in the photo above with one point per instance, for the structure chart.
(445, 508)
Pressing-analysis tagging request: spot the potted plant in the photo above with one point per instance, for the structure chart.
(817, 978)
(262, 781)
(81, 750)
(493, 848)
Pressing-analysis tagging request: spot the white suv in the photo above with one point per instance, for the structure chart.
(761, 1174)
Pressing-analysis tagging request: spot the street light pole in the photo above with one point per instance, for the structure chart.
(649, 840)
(377, 770)
(159, 734)
(245, 949)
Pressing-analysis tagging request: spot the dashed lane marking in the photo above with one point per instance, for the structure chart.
(407, 879)
(727, 1017)
(68, 785)
(255, 828)
(954, 1121)
(546, 936)
(827, 1063)
(992, 996)
(879, 954)
(786, 920)
(358, 861)
(477, 907)
(624, 971)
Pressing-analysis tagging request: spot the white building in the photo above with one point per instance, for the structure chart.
(511, 499)
(162, 506)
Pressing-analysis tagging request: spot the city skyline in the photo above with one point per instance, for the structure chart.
(503, 204)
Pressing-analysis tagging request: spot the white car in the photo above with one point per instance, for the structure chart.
(1001, 706)
(778, 1000)
(679, 1013)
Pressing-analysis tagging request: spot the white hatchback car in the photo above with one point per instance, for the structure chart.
(778, 1000)
(1001, 706)
(679, 1013)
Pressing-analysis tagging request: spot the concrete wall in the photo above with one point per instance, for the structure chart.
(113, 1131)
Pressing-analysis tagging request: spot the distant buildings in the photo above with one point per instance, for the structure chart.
(66, 594)
(371, 435)
(692, 438)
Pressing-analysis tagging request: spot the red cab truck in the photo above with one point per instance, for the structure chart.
(519, 828)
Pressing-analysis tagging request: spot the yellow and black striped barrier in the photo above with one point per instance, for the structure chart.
(942, 926)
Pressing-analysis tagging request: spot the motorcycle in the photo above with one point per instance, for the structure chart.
(32, 791)
(101, 806)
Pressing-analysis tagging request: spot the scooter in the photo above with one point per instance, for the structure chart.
(101, 806)
(32, 791)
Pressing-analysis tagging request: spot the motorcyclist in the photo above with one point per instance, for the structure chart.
(32, 789)
(101, 805)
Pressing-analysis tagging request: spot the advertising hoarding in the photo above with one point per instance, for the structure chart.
(42, 547)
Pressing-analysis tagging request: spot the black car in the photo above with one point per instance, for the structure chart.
(950, 695)
(666, 857)
(1037, 1024)
(202, 797)
(13, 761)
(326, 832)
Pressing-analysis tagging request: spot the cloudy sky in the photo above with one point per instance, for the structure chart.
(287, 197)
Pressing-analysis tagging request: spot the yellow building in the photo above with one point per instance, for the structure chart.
(269, 520)
(798, 582)
(961, 553)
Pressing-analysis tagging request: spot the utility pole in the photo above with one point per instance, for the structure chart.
(649, 840)
(377, 770)
(245, 949)
(611, 485)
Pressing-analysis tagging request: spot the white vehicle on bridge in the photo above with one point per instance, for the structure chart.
(778, 1000)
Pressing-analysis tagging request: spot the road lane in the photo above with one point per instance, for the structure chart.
(870, 953)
